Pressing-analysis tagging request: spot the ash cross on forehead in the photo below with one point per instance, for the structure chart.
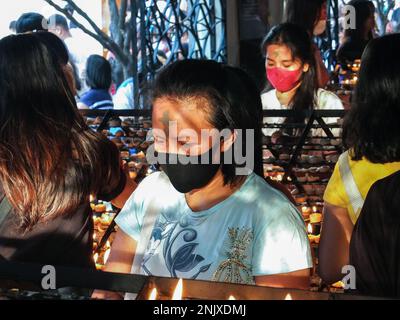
(165, 122)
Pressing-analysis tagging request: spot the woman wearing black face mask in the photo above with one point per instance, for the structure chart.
(205, 217)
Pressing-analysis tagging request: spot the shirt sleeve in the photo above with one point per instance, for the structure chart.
(335, 193)
(332, 101)
(329, 101)
(130, 218)
(281, 245)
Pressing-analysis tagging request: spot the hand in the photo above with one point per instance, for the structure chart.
(107, 295)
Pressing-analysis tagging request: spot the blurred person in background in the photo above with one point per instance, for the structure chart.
(394, 24)
(291, 69)
(312, 16)
(30, 22)
(13, 27)
(58, 25)
(98, 79)
(355, 40)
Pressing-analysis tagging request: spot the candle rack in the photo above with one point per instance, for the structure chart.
(23, 281)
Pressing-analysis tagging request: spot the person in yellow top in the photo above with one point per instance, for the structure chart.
(365, 175)
(371, 133)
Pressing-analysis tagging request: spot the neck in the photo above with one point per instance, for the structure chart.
(212, 194)
(285, 98)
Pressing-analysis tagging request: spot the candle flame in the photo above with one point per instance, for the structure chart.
(288, 297)
(231, 298)
(96, 257)
(91, 198)
(309, 228)
(304, 209)
(106, 255)
(314, 209)
(178, 291)
(153, 294)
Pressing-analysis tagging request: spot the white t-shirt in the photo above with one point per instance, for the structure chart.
(254, 232)
(123, 98)
(325, 100)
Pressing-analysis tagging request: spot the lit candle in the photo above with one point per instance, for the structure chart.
(106, 256)
(153, 294)
(288, 297)
(314, 209)
(178, 291)
(306, 211)
(231, 298)
(314, 227)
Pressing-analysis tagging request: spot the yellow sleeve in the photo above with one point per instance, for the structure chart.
(335, 193)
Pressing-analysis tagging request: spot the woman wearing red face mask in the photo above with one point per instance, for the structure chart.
(312, 16)
(291, 69)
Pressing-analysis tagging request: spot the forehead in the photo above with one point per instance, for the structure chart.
(190, 113)
(279, 51)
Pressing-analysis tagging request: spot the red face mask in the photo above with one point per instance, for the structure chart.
(284, 80)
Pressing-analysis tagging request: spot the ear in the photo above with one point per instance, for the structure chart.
(59, 31)
(306, 67)
(228, 142)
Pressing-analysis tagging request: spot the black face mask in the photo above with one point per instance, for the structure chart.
(191, 174)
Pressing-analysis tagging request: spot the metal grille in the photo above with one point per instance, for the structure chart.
(330, 43)
(175, 29)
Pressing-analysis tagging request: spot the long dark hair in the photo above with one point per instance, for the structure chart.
(299, 43)
(48, 156)
(304, 13)
(364, 10)
(371, 128)
(231, 93)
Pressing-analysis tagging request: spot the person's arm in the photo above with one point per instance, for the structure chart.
(116, 184)
(130, 186)
(121, 258)
(295, 280)
(334, 244)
